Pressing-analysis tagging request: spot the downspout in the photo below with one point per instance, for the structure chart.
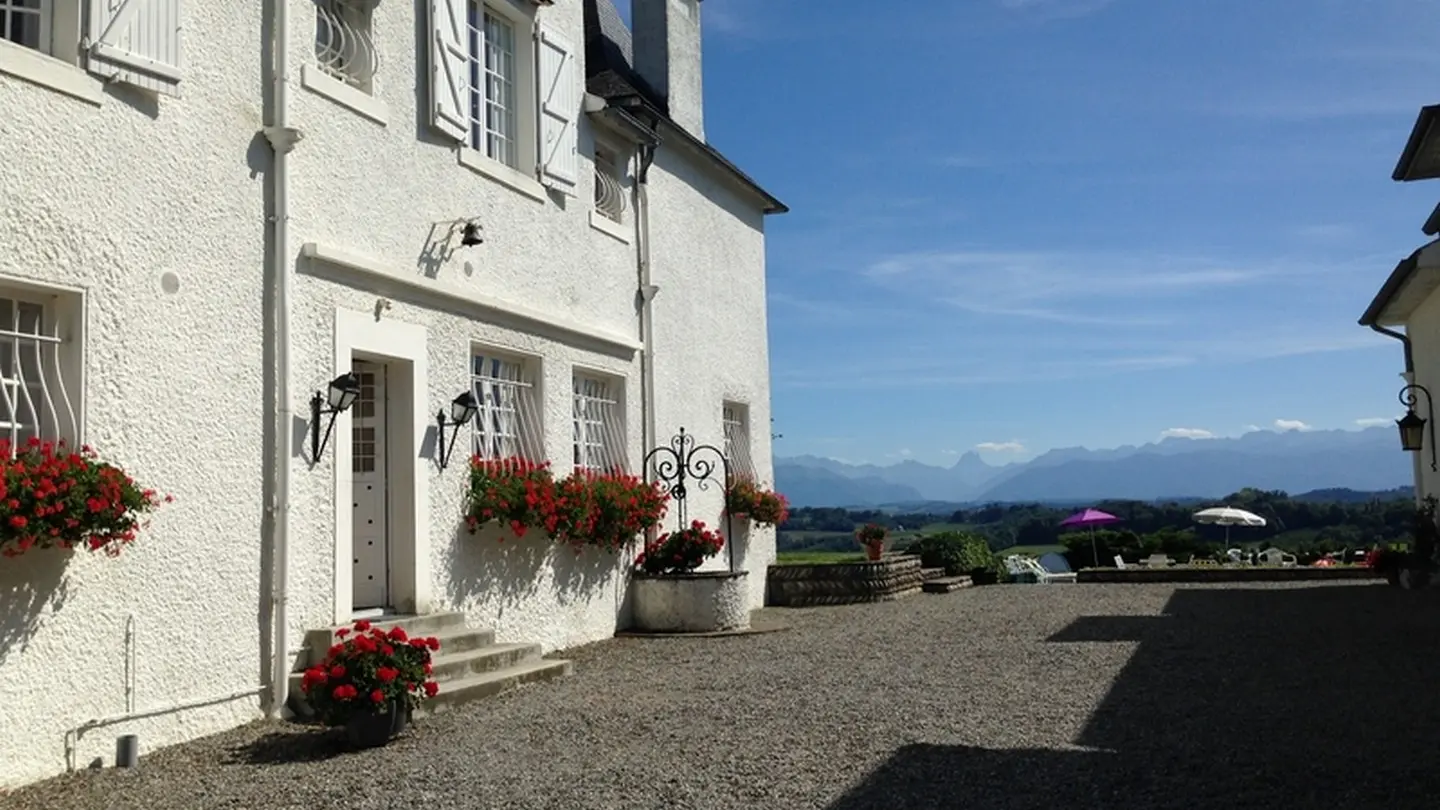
(1409, 375)
(641, 195)
(282, 139)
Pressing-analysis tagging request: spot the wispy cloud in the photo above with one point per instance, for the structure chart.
(1326, 232)
(1291, 424)
(1001, 447)
(1374, 421)
(1186, 433)
(1288, 108)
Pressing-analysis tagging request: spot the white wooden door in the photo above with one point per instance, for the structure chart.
(370, 523)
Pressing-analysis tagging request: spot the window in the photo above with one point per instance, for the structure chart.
(26, 22)
(599, 424)
(39, 369)
(609, 184)
(508, 420)
(735, 419)
(494, 77)
(344, 45)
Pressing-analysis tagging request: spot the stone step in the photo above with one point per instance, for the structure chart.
(932, 573)
(487, 684)
(946, 584)
(430, 624)
(453, 640)
(453, 666)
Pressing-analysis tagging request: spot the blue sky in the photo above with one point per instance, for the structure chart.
(1026, 224)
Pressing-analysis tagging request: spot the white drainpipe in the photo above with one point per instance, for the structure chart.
(282, 139)
(649, 439)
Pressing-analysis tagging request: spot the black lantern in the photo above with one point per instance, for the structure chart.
(472, 235)
(1412, 431)
(343, 392)
(462, 410)
(1412, 425)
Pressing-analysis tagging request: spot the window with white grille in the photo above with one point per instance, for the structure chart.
(735, 419)
(600, 424)
(508, 420)
(609, 184)
(344, 43)
(26, 23)
(495, 100)
(39, 367)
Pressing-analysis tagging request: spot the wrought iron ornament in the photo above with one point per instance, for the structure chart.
(682, 462)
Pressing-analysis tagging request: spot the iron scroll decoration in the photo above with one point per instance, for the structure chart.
(682, 462)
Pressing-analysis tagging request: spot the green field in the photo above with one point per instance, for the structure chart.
(817, 557)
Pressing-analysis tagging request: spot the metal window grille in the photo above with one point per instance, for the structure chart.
(344, 46)
(508, 420)
(599, 426)
(34, 401)
(735, 420)
(26, 22)
(492, 85)
(609, 190)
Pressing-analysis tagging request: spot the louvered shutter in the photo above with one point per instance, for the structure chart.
(136, 42)
(559, 107)
(449, 67)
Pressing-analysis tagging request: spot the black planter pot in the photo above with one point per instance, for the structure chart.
(983, 576)
(372, 729)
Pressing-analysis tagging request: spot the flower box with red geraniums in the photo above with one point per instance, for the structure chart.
(516, 493)
(607, 510)
(372, 673)
(763, 507)
(54, 497)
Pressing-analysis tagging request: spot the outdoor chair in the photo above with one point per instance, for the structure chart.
(1119, 562)
(1034, 570)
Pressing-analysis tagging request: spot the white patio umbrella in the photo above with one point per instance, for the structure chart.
(1228, 516)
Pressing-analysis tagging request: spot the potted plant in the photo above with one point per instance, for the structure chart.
(741, 497)
(671, 596)
(371, 681)
(771, 509)
(55, 497)
(872, 537)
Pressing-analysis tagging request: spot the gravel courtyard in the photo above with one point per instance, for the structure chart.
(1064, 696)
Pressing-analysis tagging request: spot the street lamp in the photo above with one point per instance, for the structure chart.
(1412, 425)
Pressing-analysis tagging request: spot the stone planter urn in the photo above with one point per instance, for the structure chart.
(692, 602)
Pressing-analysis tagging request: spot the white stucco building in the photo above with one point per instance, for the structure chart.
(199, 232)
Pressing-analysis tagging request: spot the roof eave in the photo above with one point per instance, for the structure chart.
(1423, 123)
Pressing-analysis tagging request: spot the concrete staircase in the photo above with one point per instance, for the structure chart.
(937, 582)
(469, 665)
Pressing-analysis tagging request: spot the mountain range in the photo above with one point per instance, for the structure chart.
(1294, 461)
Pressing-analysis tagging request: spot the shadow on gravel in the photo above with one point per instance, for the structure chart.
(282, 747)
(1323, 697)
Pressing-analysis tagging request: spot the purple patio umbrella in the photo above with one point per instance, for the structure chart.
(1089, 519)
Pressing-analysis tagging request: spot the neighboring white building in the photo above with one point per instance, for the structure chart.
(193, 288)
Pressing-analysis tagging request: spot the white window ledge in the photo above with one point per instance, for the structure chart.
(502, 174)
(37, 68)
(370, 271)
(609, 227)
(319, 82)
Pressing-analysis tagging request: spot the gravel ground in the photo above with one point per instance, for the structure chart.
(1105, 696)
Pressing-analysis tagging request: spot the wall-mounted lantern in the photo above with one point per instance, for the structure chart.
(343, 392)
(1412, 425)
(462, 410)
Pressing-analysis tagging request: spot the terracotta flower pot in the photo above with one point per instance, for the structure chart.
(372, 729)
(874, 551)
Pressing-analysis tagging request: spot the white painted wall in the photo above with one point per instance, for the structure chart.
(711, 338)
(108, 198)
(1424, 331)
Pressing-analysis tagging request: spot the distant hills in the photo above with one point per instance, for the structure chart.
(1295, 461)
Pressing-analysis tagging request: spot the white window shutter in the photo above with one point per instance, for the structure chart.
(450, 67)
(559, 107)
(136, 42)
